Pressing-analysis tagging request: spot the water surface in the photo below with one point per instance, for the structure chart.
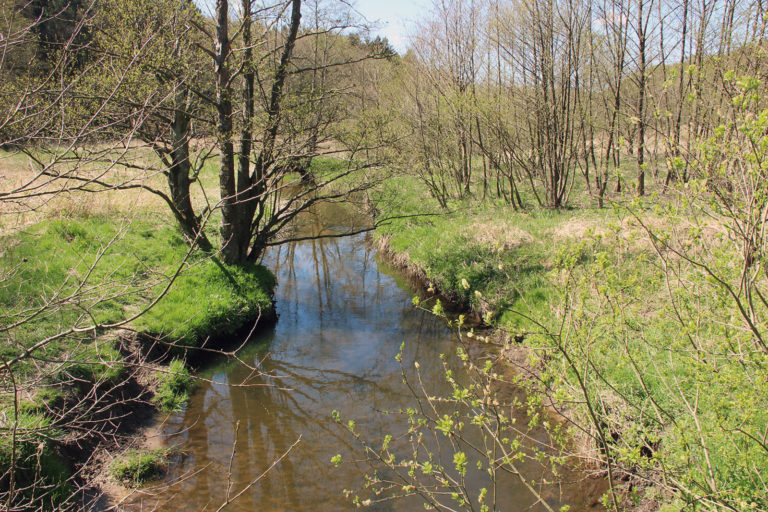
(342, 319)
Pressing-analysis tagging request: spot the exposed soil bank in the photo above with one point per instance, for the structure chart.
(78, 386)
(160, 348)
(131, 418)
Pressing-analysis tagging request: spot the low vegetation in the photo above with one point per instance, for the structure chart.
(137, 467)
(174, 384)
(42, 477)
(478, 253)
(633, 323)
(137, 260)
(114, 270)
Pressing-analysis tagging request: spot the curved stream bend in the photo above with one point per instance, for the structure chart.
(342, 319)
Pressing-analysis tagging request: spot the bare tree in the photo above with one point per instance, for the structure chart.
(642, 19)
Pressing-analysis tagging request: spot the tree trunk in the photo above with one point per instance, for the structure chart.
(641, 101)
(265, 160)
(230, 243)
(245, 193)
(179, 183)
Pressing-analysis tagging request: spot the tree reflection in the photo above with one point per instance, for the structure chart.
(341, 322)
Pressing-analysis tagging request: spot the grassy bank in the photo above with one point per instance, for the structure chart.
(62, 277)
(633, 331)
(482, 246)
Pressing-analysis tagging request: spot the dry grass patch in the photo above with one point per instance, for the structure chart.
(579, 228)
(627, 229)
(496, 233)
(44, 197)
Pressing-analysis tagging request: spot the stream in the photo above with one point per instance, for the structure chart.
(343, 315)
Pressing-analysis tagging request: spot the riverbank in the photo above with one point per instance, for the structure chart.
(80, 388)
(620, 331)
(343, 317)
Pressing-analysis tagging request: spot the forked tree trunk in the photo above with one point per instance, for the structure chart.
(245, 226)
(259, 217)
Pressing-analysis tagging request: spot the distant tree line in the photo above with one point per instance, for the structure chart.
(520, 100)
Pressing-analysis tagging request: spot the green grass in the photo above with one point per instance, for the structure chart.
(174, 384)
(137, 467)
(67, 272)
(119, 270)
(327, 167)
(94, 362)
(670, 374)
(41, 475)
(457, 245)
(631, 343)
(210, 299)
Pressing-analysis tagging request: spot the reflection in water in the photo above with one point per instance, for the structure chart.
(341, 322)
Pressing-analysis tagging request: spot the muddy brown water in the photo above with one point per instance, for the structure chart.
(342, 318)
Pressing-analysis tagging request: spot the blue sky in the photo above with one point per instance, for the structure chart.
(395, 17)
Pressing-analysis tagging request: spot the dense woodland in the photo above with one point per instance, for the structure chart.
(587, 177)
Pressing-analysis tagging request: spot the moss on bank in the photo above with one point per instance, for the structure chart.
(174, 384)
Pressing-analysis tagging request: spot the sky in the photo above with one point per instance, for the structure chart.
(395, 18)
(392, 19)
